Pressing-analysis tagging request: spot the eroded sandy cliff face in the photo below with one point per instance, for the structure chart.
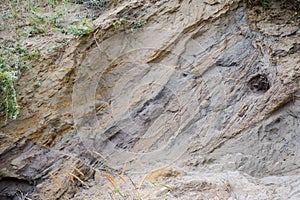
(203, 101)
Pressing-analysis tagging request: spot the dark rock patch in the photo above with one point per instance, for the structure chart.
(15, 189)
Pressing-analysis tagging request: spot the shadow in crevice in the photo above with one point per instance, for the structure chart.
(15, 189)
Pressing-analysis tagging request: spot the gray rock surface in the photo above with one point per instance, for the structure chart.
(201, 103)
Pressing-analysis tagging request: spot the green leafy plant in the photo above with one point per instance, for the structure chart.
(57, 20)
(265, 3)
(12, 61)
(84, 29)
(99, 4)
(53, 3)
(132, 25)
(8, 100)
(13, 8)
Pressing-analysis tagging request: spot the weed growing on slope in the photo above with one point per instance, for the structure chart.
(84, 29)
(8, 100)
(40, 22)
(98, 4)
(12, 61)
(129, 24)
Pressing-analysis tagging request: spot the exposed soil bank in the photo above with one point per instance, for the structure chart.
(201, 103)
